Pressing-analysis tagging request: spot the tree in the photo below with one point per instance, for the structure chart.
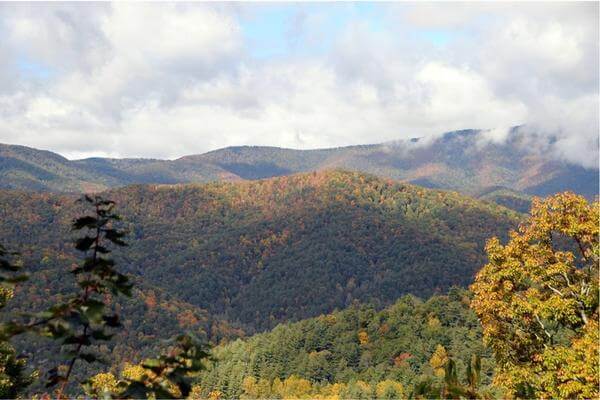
(389, 389)
(171, 375)
(13, 376)
(85, 318)
(82, 319)
(451, 387)
(537, 300)
(102, 385)
(438, 360)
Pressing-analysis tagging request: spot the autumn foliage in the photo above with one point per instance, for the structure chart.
(537, 300)
(219, 258)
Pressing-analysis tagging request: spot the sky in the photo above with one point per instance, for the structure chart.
(164, 80)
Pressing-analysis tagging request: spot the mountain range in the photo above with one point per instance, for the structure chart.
(465, 161)
(273, 242)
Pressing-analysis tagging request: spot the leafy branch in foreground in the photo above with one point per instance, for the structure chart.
(169, 376)
(13, 376)
(8, 268)
(82, 319)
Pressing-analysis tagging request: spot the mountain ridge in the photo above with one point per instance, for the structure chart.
(461, 160)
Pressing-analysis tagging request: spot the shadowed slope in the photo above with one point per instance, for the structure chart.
(286, 248)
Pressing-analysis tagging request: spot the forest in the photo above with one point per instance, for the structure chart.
(301, 200)
(320, 285)
(361, 345)
(259, 253)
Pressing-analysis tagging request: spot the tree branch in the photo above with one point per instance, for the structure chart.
(555, 290)
(542, 325)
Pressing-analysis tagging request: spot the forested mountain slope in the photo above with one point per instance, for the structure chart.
(512, 199)
(262, 252)
(464, 161)
(30, 169)
(381, 348)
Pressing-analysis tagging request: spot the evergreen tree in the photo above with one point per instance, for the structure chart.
(14, 376)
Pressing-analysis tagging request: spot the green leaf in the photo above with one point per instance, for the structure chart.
(84, 222)
(93, 309)
(115, 236)
(84, 243)
(151, 363)
(88, 357)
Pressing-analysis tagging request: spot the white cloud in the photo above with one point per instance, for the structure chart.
(461, 96)
(165, 80)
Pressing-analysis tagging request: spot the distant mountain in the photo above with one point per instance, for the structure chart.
(30, 169)
(463, 160)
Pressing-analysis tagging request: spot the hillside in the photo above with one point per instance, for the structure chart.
(512, 199)
(258, 253)
(360, 343)
(230, 259)
(30, 169)
(462, 161)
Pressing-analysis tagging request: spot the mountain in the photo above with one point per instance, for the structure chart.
(463, 160)
(228, 259)
(360, 343)
(30, 169)
(261, 252)
(512, 199)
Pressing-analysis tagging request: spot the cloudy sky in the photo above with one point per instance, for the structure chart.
(165, 80)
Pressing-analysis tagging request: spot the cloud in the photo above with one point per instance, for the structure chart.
(459, 95)
(164, 80)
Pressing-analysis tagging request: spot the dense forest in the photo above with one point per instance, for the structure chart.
(363, 200)
(519, 202)
(226, 260)
(288, 248)
(223, 261)
(396, 347)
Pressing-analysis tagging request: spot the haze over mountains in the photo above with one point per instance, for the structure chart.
(466, 161)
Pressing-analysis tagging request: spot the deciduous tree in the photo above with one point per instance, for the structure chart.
(537, 300)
